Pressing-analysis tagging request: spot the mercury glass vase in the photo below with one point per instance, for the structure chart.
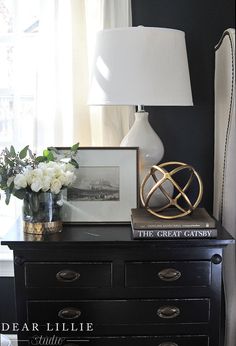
(42, 212)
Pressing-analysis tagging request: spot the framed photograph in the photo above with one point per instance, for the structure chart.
(106, 187)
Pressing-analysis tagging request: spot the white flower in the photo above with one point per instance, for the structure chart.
(58, 172)
(47, 176)
(36, 184)
(46, 183)
(62, 178)
(51, 164)
(29, 175)
(69, 178)
(37, 173)
(55, 186)
(20, 181)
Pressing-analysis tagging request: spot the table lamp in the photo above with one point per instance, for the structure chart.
(141, 66)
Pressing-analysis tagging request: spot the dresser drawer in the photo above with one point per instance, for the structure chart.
(144, 341)
(117, 312)
(162, 274)
(69, 274)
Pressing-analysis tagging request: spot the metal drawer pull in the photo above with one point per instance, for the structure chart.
(168, 312)
(169, 274)
(69, 313)
(67, 275)
(168, 343)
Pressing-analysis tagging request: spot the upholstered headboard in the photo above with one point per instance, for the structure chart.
(225, 167)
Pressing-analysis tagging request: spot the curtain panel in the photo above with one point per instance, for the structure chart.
(67, 34)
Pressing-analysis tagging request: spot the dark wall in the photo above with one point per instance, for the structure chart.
(188, 132)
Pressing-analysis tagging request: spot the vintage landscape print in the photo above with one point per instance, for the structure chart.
(96, 183)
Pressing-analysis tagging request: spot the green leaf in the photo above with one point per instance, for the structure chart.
(11, 187)
(31, 155)
(20, 193)
(23, 152)
(8, 197)
(9, 162)
(74, 163)
(12, 151)
(75, 147)
(40, 159)
(48, 154)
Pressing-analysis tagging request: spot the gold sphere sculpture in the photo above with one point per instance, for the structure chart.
(180, 202)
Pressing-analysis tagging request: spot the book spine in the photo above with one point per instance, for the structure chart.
(167, 226)
(174, 234)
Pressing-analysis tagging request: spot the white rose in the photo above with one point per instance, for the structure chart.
(37, 173)
(46, 183)
(20, 181)
(48, 171)
(29, 176)
(42, 165)
(62, 178)
(36, 184)
(55, 186)
(51, 164)
(69, 178)
(58, 171)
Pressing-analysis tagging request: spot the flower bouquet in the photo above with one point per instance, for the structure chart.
(38, 181)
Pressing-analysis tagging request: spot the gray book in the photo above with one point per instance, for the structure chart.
(174, 233)
(198, 219)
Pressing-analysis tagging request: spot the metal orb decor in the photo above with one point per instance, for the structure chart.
(179, 202)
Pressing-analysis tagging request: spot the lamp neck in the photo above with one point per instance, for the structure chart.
(141, 114)
(141, 108)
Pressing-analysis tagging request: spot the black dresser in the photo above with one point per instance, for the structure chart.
(94, 285)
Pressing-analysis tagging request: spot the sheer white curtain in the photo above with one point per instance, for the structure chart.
(67, 34)
(62, 51)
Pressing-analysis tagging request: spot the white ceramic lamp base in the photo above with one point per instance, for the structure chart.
(151, 151)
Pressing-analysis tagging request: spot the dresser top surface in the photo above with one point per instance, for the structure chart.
(105, 234)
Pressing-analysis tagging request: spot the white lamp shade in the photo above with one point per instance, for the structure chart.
(140, 66)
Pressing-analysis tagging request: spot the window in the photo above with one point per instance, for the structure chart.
(19, 23)
(45, 49)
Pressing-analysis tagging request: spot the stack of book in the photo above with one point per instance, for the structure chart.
(199, 224)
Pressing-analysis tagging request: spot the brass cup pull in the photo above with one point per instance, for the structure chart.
(168, 343)
(67, 275)
(168, 312)
(169, 274)
(69, 313)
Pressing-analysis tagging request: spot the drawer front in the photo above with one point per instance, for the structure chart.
(144, 341)
(70, 274)
(117, 312)
(167, 274)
